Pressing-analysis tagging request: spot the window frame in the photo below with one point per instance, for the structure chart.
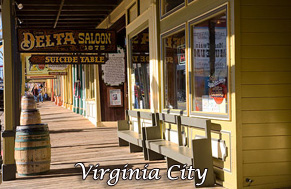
(189, 2)
(162, 16)
(168, 33)
(191, 24)
(90, 90)
(129, 45)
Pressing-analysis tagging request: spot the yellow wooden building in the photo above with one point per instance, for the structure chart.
(253, 119)
(225, 60)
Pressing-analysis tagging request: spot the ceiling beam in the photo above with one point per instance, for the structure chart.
(61, 22)
(70, 5)
(60, 27)
(59, 13)
(71, 2)
(63, 14)
(43, 9)
(61, 19)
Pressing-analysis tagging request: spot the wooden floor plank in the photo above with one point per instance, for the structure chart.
(75, 139)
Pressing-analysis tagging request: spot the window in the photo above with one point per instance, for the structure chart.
(90, 82)
(168, 6)
(140, 73)
(174, 71)
(209, 65)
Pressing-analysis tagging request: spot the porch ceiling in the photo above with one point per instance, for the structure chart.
(63, 13)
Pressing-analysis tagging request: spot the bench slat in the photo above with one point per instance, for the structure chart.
(131, 137)
(147, 115)
(194, 122)
(133, 113)
(171, 150)
(168, 118)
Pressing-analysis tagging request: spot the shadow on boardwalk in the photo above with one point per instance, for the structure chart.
(75, 139)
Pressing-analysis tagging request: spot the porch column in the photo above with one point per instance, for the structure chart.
(12, 92)
(97, 96)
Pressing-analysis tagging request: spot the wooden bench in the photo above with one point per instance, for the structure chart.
(134, 138)
(199, 155)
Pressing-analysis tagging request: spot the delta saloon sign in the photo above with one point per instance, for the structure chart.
(66, 41)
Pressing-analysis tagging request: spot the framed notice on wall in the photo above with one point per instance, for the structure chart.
(115, 97)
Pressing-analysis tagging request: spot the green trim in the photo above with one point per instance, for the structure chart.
(32, 148)
(32, 140)
(32, 133)
(73, 84)
(81, 90)
(34, 162)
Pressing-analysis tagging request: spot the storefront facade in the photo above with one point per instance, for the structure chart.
(203, 59)
(209, 59)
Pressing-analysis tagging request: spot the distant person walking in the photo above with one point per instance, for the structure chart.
(41, 93)
(35, 92)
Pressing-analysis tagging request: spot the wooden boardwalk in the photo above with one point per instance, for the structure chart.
(75, 139)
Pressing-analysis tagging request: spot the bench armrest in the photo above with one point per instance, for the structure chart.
(122, 125)
(202, 159)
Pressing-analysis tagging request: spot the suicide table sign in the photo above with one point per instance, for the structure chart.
(67, 59)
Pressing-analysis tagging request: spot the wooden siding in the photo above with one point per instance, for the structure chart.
(266, 92)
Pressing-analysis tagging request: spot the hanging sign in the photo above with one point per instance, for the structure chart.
(43, 69)
(67, 59)
(57, 73)
(69, 41)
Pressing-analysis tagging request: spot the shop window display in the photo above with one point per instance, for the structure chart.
(174, 71)
(210, 69)
(140, 71)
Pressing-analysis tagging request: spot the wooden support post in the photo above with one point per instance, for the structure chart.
(23, 62)
(12, 83)
(52, 91)
(98, 117)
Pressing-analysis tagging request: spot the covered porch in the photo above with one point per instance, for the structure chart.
(75, 139)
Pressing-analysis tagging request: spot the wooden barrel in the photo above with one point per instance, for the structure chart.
(32, 149)
(30, 117)
(28, 103)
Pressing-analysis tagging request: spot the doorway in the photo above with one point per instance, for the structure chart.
(113, 78)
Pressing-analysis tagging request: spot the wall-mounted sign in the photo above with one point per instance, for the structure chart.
(67, 59)
(70, 41)
(114, 69)
(115, 97)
